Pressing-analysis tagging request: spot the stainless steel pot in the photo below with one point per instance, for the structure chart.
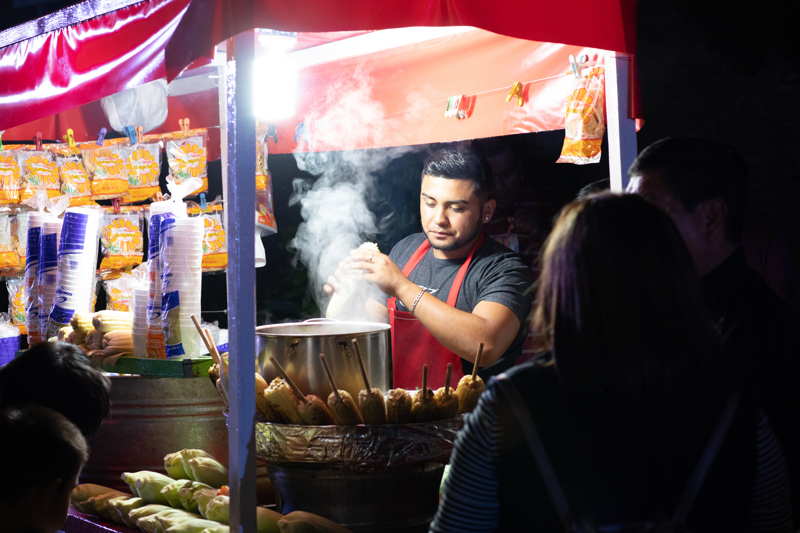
(297, 346)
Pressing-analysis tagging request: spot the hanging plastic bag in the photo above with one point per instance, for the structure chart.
(39, 172)
(119, 292)
(75, 180)
(265, 215)
(585, 119)
(187, 159)
(144, 168)
(10, 178)
(215, 250)
(20, 228)
(121, 241)
(109, 173)
(17, 299)
(9, 257)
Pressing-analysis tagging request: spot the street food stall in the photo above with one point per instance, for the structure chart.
(439, 71)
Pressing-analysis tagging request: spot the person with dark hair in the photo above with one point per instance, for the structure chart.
(43, 454)
(608, 426)
(58, 376)
(702, 185)
(451, 288)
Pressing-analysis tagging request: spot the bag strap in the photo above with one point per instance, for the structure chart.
(523, 415)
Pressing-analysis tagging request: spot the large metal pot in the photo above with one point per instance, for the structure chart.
(297, 346)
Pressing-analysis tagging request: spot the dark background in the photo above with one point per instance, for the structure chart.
(723, 71)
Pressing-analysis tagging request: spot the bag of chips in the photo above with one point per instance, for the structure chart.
(20, 225)
(39, 172)
(144, 168)
(585, 119)
(187, 159)
(17, 299)
(121, 240)
(9, 257)
(75, 181)
(265, 217)
(10, 177)
(108, 170)
(215, 250)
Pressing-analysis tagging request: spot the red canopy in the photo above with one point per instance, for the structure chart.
(89, 54)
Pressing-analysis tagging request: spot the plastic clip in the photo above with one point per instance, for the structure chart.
(184, 124)
(575, 64)
(272, 133)
(131, 133)
(518, 91)
(203, 204)
(139, 134)
(38, 140)
(70, 138)
(115, 206)
(101, 136)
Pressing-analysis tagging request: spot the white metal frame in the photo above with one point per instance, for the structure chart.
(621, 128)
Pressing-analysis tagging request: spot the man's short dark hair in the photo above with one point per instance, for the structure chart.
(58, 376)
(461, 163)
(697, 170)
(38, 446)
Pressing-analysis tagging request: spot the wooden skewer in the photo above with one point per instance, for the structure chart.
(447, 377)
(290, 381)
(424, 380)
(208, 344)
(477, 360)
(223, 366)
(361, 364)
(330, 377)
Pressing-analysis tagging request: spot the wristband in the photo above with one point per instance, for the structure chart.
(417, 298)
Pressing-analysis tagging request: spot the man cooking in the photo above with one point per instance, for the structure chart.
(451, 287)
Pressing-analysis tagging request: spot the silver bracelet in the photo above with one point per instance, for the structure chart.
(417, 298)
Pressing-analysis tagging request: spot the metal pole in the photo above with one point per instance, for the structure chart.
(621, 128)
(238, 178)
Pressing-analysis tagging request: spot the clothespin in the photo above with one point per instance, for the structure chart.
(518, 92)
(131, 133)
(184, 124)
(38, 140)
(1, 139)
(115, 205)
(139, 134)
(299, 132)
(272, 133)
(101, 136)
(70, 138)
(203, 204)
(575, 64)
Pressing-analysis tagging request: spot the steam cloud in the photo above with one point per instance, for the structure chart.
(335, 210)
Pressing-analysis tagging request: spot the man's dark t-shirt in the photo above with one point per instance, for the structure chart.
(496, 275)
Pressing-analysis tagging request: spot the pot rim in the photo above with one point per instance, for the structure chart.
(364, 328)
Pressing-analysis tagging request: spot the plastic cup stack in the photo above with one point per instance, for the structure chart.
(140, 298)
(155, 332)
(47, 272)
(77, 261)
(9, 343)
(32, 250)
(181, 242)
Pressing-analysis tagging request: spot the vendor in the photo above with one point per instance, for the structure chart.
(451, 287)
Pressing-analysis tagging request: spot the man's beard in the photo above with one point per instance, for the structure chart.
(460, 242)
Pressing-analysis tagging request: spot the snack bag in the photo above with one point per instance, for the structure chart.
(215, 250)
(119, 291)
(9, 257)
(39, 172)
(187, 159)
(121, 240)
(75, 181)
(109, 173)
(144, 168)
(20, 225)
(585, 119)
(17, 298)
(265, 218)
(10, 177)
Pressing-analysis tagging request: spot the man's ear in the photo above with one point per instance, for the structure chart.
(715, 217)
(488, 209)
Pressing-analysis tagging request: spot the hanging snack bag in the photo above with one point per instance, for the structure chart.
(75, 181)
(187, 159)
(121, 240)
(215, 250)
(17, 298)
(144, 168)
(20, 228)
(585, 119)
(119, 292)
(10, 176)
(39, 172)
(9, 257)
(108, 170)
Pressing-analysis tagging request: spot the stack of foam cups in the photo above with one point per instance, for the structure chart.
(32, 276)
(181, 279)
(77, 261)
(47, 275)
(140, 298)
(155, 333)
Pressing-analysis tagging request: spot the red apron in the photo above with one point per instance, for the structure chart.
(412, 343)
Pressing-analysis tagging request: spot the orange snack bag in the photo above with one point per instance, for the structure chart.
(9, 258)
(187, 159)
(10, 177)
(215, 250)
(585, 119)
(16, 303)
(39, 172)
(265, 217)
(109, 173)
(75, 181)
(121, 241)
(144, 168)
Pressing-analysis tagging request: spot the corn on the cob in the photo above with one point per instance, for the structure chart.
(118, 341)
(64, 332)
(108, 320)
(82, 322)
(94, 340)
